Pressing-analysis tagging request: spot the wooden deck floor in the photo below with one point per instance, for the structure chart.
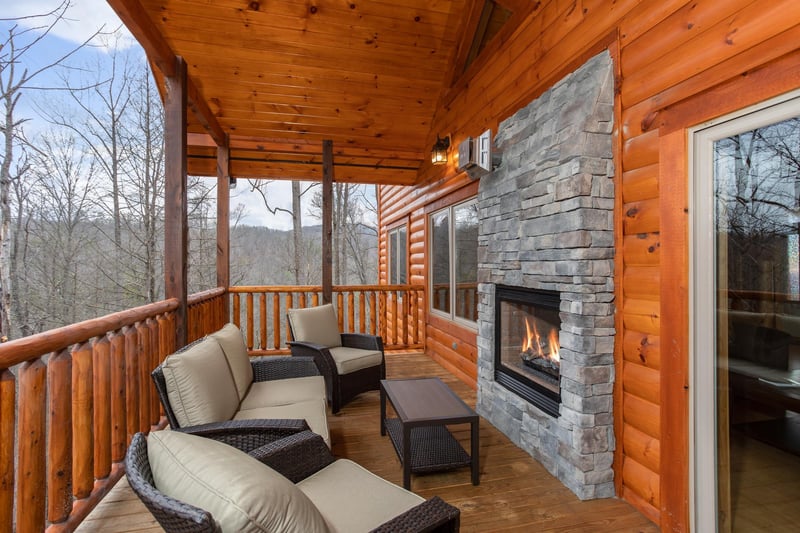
(515, 494)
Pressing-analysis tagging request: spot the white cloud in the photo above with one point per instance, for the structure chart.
(82, 19)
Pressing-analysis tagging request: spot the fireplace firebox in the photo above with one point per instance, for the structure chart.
(526, 345)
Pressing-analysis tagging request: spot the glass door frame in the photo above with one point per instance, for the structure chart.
(703, 482)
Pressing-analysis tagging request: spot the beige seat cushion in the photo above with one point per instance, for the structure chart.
(232, 343)
(312, 411)
(315, 324)
(351, 359)
(351, 498)
(284, 391)
(200, 386)
(240, 493)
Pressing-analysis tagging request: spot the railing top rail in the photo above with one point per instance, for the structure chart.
(202, 296)
(318, 288)
(21, 350)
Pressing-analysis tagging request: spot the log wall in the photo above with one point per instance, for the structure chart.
(678, 64)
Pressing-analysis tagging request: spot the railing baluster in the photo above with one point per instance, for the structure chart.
(302, 304)
(142, 345)
(262, 319)
(119, 418)
(340, 310)
(59, 446)
(249, 306)
(276, 321)
(351, 319)
(236, 310)
(415, 316)
(362, 312)
(315, 299)
(131, 382)
(382, 319)
(8, 386)
(31, 440)
(153, 358)
(82, 397)
(373, 314)
(101, 354)
(289, 305)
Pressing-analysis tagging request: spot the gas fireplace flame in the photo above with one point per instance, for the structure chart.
(534, 346)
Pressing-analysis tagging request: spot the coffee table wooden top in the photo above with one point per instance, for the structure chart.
(426, 400)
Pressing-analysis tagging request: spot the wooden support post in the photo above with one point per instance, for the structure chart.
(176, 225)
(327, 221)
(224, 224)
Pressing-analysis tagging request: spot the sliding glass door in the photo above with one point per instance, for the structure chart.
(746, 321)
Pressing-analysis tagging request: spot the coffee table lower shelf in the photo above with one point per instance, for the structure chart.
(433, 448)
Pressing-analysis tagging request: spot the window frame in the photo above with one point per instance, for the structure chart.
(450, 210)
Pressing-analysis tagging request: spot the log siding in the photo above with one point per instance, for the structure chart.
(678, 64)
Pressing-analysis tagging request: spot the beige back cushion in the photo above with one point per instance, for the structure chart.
(230, 338)
(240, 493)
(316, 324)
(200, 386)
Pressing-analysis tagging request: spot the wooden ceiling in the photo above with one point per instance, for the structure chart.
(280, 76)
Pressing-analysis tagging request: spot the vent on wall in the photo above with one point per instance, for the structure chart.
(475, 155)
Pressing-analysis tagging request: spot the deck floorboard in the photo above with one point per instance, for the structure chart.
(515, 493)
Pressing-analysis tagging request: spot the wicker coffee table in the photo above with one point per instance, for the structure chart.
(419, 434)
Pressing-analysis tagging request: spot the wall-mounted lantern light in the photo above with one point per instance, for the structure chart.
(439, 150)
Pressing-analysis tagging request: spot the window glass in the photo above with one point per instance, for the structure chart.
(466, 260)
(397, 256)
(440, 261)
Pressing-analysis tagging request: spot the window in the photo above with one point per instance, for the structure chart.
(397, 256)
(454, 261)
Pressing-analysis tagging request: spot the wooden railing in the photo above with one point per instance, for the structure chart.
(72, 398)
(391, 311)
(70, 401)
(205, 313)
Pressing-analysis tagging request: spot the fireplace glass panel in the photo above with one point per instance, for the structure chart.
(527, 349)
(529, 342)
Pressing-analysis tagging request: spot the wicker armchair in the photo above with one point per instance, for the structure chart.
(351, 363)
(296, 456)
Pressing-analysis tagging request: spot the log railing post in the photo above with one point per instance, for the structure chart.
(143, 349)
(59, 446)
(8, 391)
(82, 418)
(31, 451)
(101, 352)
(176, 232)
(119, 418)
(131, 382)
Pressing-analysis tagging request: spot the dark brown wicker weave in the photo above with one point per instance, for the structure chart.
(342, 388)
(296, 456)
(264, 369)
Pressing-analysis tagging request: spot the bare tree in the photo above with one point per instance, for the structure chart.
(354, 239)
(15, 80)
(61, 230)
(297, 255)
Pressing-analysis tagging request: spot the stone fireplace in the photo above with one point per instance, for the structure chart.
(546, 226)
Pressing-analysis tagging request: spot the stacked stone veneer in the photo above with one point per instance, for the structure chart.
(546, 222)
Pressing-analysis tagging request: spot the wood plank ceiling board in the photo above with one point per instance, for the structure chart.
(280, 76)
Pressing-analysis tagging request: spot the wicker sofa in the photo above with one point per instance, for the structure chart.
(213, 380)
(283, 483)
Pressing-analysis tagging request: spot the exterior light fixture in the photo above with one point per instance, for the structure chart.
(231, 182)
(439, 150)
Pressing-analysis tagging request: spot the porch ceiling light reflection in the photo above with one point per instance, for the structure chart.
(439, 150)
